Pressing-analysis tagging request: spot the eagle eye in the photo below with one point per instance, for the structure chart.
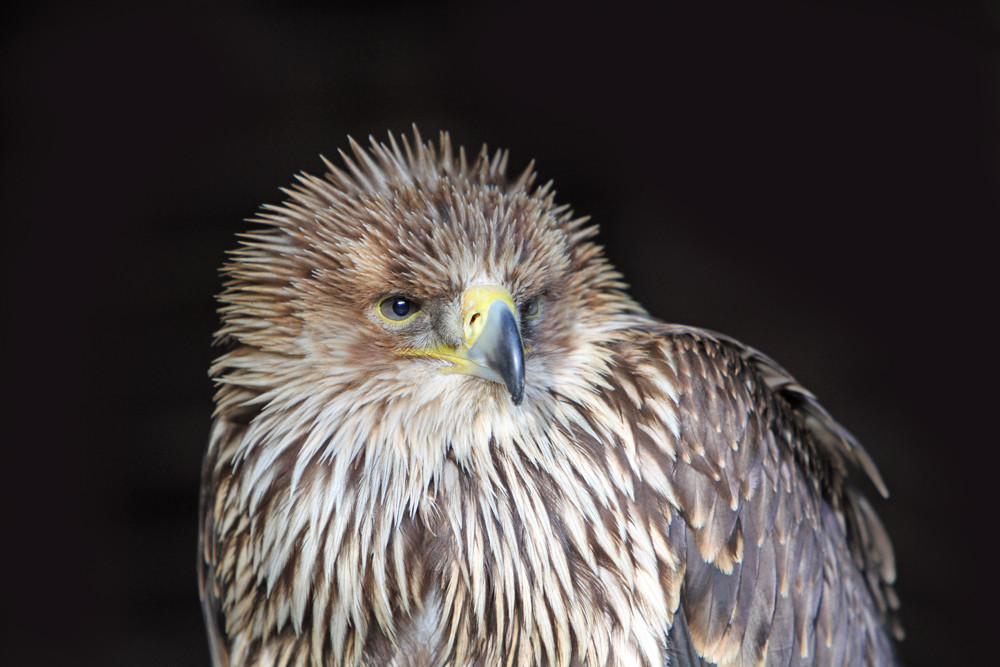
(397, 309)
(532, 307)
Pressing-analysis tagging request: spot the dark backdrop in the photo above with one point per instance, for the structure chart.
(819, 181)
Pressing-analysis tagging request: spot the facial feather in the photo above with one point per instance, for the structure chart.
(364, 505)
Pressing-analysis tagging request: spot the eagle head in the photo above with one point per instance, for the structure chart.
(418, 276)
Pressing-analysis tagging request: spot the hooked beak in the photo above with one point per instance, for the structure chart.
(492, 348)
(495, 351)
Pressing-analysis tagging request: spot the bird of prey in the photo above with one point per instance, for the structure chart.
(445, 435)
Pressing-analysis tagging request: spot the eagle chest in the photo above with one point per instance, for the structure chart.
(445, 435)
(499, 568)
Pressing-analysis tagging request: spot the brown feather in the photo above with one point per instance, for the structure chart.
(661, 491)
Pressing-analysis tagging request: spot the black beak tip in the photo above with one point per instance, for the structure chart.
(513, 377)
(517, 393)
(507, 357)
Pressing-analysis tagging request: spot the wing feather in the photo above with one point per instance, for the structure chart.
(786, 562)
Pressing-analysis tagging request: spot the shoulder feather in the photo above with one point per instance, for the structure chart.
(786, 560)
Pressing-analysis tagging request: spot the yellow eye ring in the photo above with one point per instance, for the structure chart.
(532, 308)
(397, 309)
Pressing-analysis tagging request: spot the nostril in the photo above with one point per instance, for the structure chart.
(472, 326)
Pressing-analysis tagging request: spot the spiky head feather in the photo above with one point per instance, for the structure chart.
(362, 505)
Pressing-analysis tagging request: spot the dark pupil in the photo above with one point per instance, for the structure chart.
(401, 307)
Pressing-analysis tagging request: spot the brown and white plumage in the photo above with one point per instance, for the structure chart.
(635, 493)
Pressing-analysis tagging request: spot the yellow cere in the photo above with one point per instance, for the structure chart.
(475, 303)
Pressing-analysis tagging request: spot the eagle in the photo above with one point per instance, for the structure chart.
(444, 434)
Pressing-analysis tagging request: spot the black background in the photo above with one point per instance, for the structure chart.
(819, 181)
